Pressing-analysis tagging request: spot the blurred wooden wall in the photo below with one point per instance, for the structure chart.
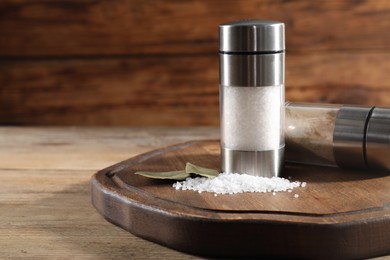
(155, 62)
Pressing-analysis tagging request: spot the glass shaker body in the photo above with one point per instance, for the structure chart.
(252, 117)
(309, 131)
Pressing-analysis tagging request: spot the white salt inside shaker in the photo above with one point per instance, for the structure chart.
(248, 132)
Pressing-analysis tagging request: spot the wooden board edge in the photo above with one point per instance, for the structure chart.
(224, 238)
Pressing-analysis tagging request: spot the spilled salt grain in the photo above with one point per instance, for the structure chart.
(232, 183)
(296, 196)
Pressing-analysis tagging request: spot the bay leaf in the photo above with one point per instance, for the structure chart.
(202, 171)
(172, 175)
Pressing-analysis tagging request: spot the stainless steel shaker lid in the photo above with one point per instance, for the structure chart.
(362, 137)
(251, 36)
(378, 139)
(349, 135)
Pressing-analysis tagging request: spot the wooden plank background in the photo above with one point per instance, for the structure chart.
(155, 62)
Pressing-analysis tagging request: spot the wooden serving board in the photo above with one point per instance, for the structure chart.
(339, 214)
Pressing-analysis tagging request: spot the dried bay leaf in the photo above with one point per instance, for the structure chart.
(202, 171)
(172, 175)
(181, 175)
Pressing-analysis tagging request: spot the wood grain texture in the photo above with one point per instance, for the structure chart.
(45, 205)
(138, 91)
(170, 91)
(90, 27)
(153, 63)
(47, 214)
(340, 214)
(86, 149)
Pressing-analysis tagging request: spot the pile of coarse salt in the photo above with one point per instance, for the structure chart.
(232, 183)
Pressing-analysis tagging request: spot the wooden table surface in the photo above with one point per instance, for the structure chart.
(45, 208)
(45, 204)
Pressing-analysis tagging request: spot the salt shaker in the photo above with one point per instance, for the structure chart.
(347, 136)
(252, 54)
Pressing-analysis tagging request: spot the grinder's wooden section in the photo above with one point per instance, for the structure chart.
(340, 214)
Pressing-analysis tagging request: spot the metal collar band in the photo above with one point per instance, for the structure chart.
(362, 138)
(252, 70)
(378, 139)
(256, 163)
(349, 136)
